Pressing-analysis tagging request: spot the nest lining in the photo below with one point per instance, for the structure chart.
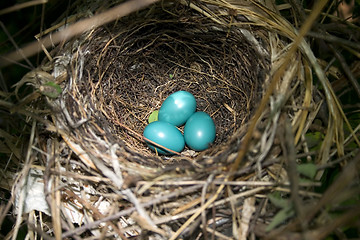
(130, 68)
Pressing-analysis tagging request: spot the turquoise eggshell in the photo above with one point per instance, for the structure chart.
(177, 108)
(199, 131)
(165, 134)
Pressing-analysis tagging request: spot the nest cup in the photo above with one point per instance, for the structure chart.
(124, 71)
(121, 73)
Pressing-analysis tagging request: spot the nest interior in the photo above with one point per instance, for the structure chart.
(129, 68)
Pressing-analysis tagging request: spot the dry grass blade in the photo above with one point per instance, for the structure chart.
(306, 103)
(275, 78)
(197, 213)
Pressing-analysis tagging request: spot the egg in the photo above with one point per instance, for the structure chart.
(166, 135)
(177, 108)
(199, 131)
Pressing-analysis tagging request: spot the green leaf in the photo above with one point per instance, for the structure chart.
(305, 180)
(171, 76)
(307, 169)
(153, 116)
(50, 89)
(313, 139)
(280, 217)
(278, 201)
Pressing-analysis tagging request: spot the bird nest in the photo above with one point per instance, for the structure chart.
(122, 73)
(101, 178)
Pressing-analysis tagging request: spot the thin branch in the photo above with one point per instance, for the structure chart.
(30, 66)
(76, 29)
(333, 39)
(21, 6)
(346, 69)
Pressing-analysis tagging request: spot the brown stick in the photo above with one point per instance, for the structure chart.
(75, 29)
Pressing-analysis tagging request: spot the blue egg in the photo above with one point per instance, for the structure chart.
(166, 135)
(177, 108)
(199, 131)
